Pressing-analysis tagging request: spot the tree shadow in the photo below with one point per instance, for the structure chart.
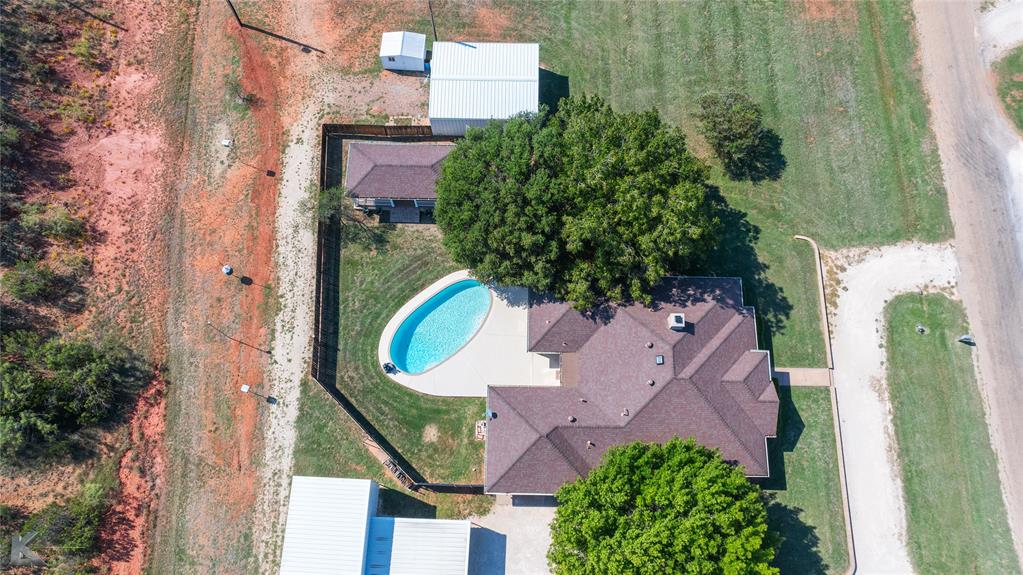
(553, 87)
(766, 162)
(394, 503)
(799, 549)
(736, 256)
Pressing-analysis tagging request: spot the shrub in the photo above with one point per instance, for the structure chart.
(733, 126)
(50, 387)
(29, 281)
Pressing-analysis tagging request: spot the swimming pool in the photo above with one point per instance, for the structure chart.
(440, 326)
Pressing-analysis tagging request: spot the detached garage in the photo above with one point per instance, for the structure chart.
(332, 529)
(472, 83)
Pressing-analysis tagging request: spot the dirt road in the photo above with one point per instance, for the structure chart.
(977, 144)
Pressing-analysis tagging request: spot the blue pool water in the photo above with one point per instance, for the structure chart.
(440, 326)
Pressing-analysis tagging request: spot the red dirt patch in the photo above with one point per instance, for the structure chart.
(123, 537)
(828, 9)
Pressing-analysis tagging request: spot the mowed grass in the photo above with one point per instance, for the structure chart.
(1009, 75)
(956, 516)
(806, 498)
(839, 87)
(436, 435)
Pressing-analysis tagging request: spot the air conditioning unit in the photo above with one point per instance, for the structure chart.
(677, 321)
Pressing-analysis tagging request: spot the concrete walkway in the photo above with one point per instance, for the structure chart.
(513, 538)
(875, 491)
(496, 355)
(803, 376)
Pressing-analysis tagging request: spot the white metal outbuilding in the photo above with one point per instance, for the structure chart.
(403, 51)
(332, 529)
(472, 83)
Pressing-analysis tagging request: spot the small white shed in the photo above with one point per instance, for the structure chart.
(403, 51)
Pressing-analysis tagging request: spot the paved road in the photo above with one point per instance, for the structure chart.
(975, 141)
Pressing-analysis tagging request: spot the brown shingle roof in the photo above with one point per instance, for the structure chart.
(713, 386)
(399, 171)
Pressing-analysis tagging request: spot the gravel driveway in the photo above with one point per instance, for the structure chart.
(876, 504)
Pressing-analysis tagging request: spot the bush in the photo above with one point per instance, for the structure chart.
(29, 281)
(51, 387)
(733, 126)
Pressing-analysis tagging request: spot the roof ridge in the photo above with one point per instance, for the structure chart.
(724, 420)
(568, 459)
(711, 346)
(649, 329)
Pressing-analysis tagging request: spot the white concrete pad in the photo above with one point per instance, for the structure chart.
(496, 355)
(511, 540)
(876, 505)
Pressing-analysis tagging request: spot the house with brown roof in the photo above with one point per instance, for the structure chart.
(396, 179)
(687, 366)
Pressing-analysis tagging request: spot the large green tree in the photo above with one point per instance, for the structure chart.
(588, 204)
(661, 509)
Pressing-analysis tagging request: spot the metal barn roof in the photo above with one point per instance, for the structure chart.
(403, 44)
(400, 546)
(328, 519)
(481, 80)
(332, 530)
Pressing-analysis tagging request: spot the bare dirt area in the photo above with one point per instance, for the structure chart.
(982, 161)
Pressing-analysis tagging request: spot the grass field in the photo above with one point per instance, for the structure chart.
(956, 516)
(806, 505)
(837, 84)
(436, 435)
(1009, 73)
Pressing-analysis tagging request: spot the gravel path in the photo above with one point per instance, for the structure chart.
(875, 491)
(294, 257)
(982, 161)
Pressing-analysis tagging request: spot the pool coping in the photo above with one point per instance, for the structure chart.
(405, 311)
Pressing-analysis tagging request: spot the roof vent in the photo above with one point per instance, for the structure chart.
(676, 321)
(571, 419)
(625, 413)
(649, 345)
(590, 444)
(650, 382)
(659, 360)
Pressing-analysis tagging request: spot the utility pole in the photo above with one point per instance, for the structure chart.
(432, 21)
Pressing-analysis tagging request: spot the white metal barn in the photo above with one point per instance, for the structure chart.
(403, 51)
(472, 83)
(332, 529)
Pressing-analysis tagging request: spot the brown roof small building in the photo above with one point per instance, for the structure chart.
(387, 174)
(688, 366)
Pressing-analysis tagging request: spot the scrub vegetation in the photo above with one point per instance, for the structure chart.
(956, 515)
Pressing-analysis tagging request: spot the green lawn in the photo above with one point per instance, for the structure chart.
(956, 517)
(1009, 72)
(806, 499)
(436, 435)
(842, 92)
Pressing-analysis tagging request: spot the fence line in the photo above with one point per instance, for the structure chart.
(326, 344)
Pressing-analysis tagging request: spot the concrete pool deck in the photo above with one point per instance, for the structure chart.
(496, 355)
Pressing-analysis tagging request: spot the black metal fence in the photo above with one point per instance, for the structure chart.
(326, 315)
